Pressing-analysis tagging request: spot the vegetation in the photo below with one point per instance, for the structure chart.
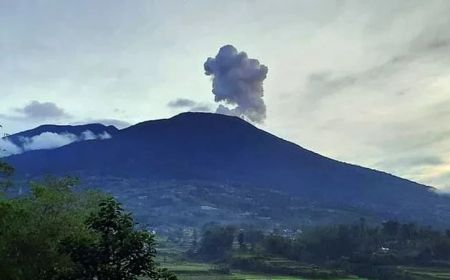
(56, 233)
(6, 171)
(377, 252)
(217, 242)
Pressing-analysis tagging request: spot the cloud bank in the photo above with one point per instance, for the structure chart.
(237, 80)
(47, 140)
(8, 148)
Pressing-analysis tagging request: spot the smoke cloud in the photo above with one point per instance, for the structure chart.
(237, 81)
(189, 105)
(181, 103)
(47, 140)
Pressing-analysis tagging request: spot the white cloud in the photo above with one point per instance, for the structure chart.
(47, 140)
(104, 135)
(50, 140)
(88, 135)
(8, 148)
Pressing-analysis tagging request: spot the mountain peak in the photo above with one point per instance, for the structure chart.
(228, 150)
(74, 129)
(51, 136)
(205, 115)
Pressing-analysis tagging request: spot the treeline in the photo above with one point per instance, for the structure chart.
(55, 233)
(370, 251)
(390, 243)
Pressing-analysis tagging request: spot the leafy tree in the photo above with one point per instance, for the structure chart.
(118, 252)
(408, 231)
(32, 227)
(165, 274)
(56, 233)
(276, 244)
(241, 240)
(6, 171)
(254, 237)
(441, 248)
(194, 240)
(391, 228)
(217, 242)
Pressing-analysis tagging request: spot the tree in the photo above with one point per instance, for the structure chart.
(441, 248)
(165, 274)
(32, 228)
(253, 237)
(194, 240)
(119, 251)
(391, 228)
(6, 171)
(241, 240)
(217, 242)
(408, 231)
(276, 244)
(56, 233)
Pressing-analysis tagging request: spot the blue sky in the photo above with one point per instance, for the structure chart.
(366, 82)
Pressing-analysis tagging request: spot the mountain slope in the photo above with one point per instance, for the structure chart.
(62, 129)
(228, 150)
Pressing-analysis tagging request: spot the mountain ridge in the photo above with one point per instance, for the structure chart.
(95, 128)
(228, 150)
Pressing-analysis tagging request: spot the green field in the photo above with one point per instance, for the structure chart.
(170, 256)
(201, 271)
(238, 276)
(428, 273)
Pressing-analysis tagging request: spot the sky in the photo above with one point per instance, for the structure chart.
(366, 82)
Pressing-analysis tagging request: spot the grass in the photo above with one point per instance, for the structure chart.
(202, 271)
(428, 273)
(168, 257)
(238, 276)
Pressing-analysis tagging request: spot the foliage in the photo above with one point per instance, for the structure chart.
(217, 242)
(56, 233)
(32, 227)
(118, 251)
(374, 252)
(6, 171)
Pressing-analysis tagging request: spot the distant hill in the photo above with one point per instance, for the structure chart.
(62, 129)
(226, 150)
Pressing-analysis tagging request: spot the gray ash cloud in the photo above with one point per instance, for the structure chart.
(237, 82)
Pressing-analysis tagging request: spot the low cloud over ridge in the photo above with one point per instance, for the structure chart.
(47, 140)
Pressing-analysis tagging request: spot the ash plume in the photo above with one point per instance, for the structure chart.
(237, 81)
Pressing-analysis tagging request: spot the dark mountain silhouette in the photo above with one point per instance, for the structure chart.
(62, 129)
(230, 151)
